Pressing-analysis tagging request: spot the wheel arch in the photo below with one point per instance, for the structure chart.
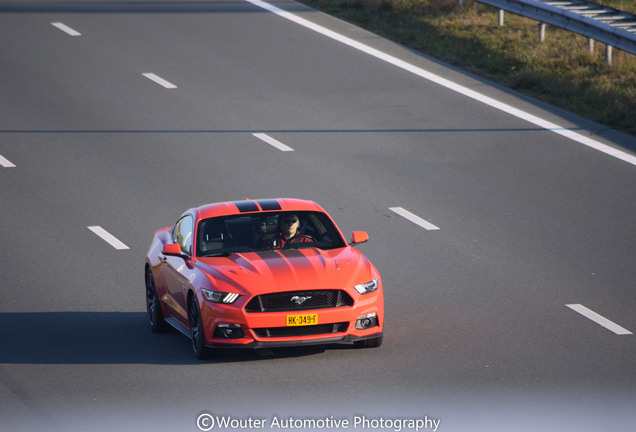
(191, 294)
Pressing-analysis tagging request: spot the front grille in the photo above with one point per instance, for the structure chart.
(298, 331)
(299, 300)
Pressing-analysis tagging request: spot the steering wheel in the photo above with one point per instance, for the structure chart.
(296, 239)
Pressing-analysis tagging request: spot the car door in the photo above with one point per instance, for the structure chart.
(177, 272)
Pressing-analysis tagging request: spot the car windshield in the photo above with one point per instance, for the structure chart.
(258, 232)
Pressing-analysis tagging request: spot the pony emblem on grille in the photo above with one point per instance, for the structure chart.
(300, 299)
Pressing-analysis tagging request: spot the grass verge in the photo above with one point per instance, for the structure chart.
(561, 70)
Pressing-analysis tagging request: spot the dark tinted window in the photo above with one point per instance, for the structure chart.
(261, 231)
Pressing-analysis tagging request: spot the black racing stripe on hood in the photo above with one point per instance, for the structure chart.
(297, 258)
(291, 253)
(285, 264)
(246, 206)
(269, 205)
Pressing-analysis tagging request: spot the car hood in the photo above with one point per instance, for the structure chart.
(288, 270)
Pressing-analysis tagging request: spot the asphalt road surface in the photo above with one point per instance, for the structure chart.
(504, 230)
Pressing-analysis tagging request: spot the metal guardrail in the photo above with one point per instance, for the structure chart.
(610, 26)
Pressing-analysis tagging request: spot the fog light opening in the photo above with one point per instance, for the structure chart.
(367, 321)
(228, 331)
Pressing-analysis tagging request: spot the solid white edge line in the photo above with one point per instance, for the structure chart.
(6, 162)
(66, 29)
(271, 141)
(108, 237)
(162, 82)
(598, 319)
(413, 218)
(545, 124)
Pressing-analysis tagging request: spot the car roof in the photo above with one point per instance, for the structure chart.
(255, 206)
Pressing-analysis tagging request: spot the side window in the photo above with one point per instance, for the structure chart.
(182, 234)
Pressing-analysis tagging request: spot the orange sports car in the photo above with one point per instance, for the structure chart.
(262, 273)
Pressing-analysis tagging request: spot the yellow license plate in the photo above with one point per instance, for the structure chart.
(302, 320)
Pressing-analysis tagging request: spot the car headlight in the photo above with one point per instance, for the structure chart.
(219, 297)
(368, 287)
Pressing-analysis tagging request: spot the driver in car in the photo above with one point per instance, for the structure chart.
(288, 225)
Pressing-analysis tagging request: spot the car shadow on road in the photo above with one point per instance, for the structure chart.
(109, 338)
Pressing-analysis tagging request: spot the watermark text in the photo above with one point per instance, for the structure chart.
(207, 422)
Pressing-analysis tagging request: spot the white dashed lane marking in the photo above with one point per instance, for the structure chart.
(271, 141)
(108, 237)
(598, 319)
(5, 162)
(413, 218)
(162, 82)
(66, 29)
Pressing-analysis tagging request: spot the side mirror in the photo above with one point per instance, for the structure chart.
(359, 237)
(172, 249)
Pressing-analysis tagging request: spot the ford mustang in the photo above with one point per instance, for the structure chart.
(262, 273)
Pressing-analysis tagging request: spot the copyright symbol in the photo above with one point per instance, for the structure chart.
(205, 422)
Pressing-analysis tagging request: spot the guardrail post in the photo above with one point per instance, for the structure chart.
(608, 55)
(562, 14)
(541, 32)
(590, 45)
(459, 4)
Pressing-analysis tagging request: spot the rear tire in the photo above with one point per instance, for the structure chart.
(369, 343)
(198, 333)
(155, 316)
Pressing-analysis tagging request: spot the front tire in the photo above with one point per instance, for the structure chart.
(155, 317)
(198, 333)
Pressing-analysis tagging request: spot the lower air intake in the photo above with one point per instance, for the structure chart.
(298, 331)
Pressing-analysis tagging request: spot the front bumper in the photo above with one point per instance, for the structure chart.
(270, 329)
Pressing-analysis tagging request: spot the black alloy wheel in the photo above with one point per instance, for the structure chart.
(198, 333)
(155, 317)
